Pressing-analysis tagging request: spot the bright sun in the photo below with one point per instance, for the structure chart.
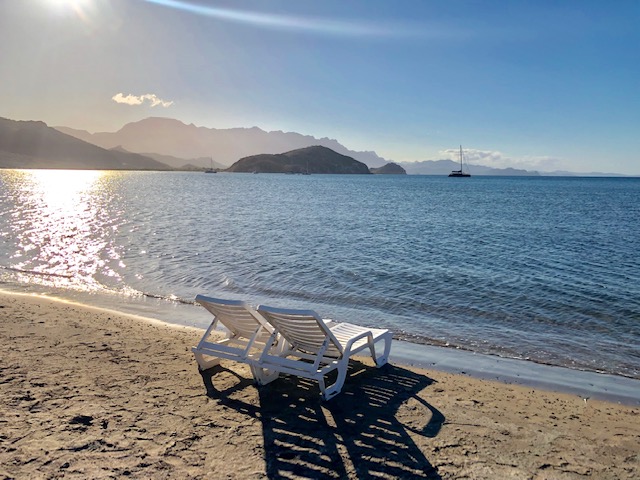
(64, 4)
(76, 8)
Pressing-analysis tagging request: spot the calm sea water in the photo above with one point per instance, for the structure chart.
(545, 269)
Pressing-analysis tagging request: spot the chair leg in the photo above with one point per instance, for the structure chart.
(263, 376)
(323, 388)
(372, 349)
(382, 359)
(204, 364)
(336, 388)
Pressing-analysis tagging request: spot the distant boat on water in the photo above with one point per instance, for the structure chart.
(211, 170)
(460, 173)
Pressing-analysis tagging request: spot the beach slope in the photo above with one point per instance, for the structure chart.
(89, 393)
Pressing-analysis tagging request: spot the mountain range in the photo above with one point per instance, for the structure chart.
(444, 167)
(32, 144)
(200, 145)
(180, 145)
(163, 144)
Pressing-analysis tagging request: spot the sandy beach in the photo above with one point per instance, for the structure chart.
(90, 393)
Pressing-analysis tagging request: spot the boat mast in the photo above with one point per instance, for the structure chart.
(460, 158)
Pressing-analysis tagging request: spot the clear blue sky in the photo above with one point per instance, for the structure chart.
(534, 84)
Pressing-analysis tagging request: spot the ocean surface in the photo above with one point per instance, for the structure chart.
(538, 268)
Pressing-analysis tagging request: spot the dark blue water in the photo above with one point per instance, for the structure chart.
(545, 269)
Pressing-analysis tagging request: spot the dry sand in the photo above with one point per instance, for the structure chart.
(89, 393)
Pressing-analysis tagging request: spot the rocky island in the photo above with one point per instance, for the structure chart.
(314, 159)
(389, 169)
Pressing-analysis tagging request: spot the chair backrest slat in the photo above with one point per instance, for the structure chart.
(235, 315)
(303, 329)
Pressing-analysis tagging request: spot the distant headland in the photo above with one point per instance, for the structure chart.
(168, 144)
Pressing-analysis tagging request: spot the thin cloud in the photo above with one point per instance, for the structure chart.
(149, 98)
(326, 26)
(496, 159)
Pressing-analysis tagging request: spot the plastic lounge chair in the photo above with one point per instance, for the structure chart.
(314, 347)
(247, 335)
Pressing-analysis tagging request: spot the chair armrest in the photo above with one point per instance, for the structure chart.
(355, 338)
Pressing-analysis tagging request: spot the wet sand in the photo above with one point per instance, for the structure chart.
(90, 393)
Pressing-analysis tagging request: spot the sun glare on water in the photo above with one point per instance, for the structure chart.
(63, 189)
(61, 229)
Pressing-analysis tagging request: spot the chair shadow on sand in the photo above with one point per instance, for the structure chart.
(357, 434)
(226, 396)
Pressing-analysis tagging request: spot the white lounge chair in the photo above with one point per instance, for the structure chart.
(247, 335)
(314, 347)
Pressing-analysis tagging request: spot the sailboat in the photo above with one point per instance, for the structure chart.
(459, 173)
(211, 170)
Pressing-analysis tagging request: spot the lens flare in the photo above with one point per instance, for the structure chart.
(327, 26)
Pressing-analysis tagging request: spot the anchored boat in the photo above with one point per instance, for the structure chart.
(460, 173)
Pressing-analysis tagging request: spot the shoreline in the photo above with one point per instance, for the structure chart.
(586, 383)
(93, 393)
(511, 371)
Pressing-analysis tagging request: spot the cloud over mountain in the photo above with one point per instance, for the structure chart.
(152, 99)
(496, 159)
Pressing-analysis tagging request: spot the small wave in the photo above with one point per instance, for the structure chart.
(36, 273)
(169, 298)
(629, 372)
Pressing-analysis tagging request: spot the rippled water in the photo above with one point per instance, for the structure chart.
(539, 268)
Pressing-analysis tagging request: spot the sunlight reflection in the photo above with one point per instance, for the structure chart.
(64, 235)
(61, 189)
